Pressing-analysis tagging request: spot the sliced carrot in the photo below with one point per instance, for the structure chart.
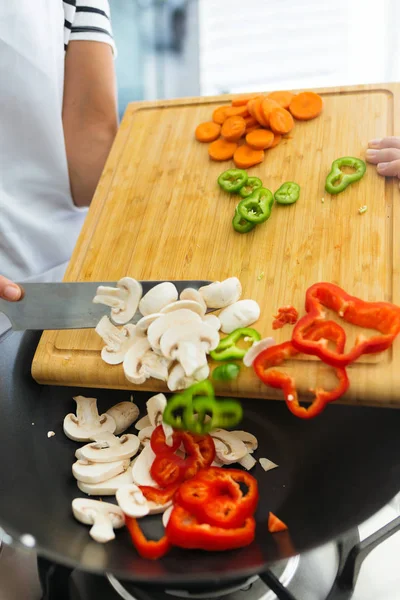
(260, 139)
(306, 106)
(250, 106)
(208, 132)
(246, 157)
(250, 121)
(242, 100)
(219, 114)
(252, 128)
(277, 139)
(283, 98)
(258, 113)
(281, 121)
(275, 524)
(237, 111)
(267, 106)
(233, 128)
(221, 150)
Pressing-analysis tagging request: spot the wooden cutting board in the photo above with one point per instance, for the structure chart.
(158, 213)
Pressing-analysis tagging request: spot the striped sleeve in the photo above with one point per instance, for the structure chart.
(91, 21)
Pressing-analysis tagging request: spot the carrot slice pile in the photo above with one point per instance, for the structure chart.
(259, 118)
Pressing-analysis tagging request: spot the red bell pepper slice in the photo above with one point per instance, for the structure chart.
(150, 549)
(200, 450)
(276, 355)
(185, 531)
(383, 317)
(158, 444)
(275, 524)
(167, 469)
(285, 315)
(159, 496)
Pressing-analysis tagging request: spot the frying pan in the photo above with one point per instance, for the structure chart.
(334, 472)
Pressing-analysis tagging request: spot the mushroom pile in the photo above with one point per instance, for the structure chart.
(175, 334)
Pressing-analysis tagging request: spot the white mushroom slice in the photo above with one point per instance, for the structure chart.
(193, 294)
(188, 344)
(228, 448)
(240, 314)
(88, 472)
(168, 433)
(131, 501)
(134, 369)
(158, 509)
(249, 440)
(255, 350)
(156, 366)
(145, 435)
(155, 408)
(104, 517)
(166, 322)
(267, 464)
(178, 380)
(187, 304)
(221, 293)
(108, 448)
(141, 469)
(106, 488)
(248, 462)
(142, 423)
(212, 321)
(118, 341)
(144, 323)
(158, 297)
(123, 300)
(166, 516)
(124, 414)
(217, 463)
(87, 421)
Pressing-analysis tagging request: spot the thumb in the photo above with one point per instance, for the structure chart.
(9, 290)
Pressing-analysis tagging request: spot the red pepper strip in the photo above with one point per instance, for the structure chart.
(380, 316)
(286, 315)
(146, 548)
(185, 531)
(276, 355)
(167, 469)
(157, 441)
(200, 450)
(159, 496)
(275, 524)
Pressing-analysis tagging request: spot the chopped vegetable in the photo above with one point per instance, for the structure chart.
(227, 349)
(149, 549)
(275, 525)
(283, 98)
(257, 207)
(241, 225)
(255, 349)
(158, 443)
(159, 496)
(267, 464)
(288, 193)
(208, 132)
(233, 128)
(252, 184)
(255, 109)
(219, 114)
(221, 150)
(286, 315)
(277, 139)
(362, 209)
(245, 157)
(267, 106)
(260, 139)
(306, 106)
(242, 100)
(168, 469)
(232, 180)
(226, 372)
(260, 276)
(337, 181)
(281, 121)
(237, 111)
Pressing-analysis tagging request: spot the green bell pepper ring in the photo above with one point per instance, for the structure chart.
(251, 185)
(288, 193)
(180, 406)
(229, 414)
(226, 372)
(337, 181)
(232, 180)
(257, 207)
(227, 348)
(195, 418)
(241, 225)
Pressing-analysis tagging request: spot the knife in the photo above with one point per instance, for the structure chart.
(68, 305)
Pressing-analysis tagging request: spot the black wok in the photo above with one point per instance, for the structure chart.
(334, 472)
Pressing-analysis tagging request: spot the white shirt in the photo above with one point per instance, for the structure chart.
(39, 224)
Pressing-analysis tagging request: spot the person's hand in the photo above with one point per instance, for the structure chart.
(9, 290)
(385, 154)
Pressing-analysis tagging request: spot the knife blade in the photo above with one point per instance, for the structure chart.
(68, 305)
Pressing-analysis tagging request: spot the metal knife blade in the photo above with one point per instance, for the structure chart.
(68, 305)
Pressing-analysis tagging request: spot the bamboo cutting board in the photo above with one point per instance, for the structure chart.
(158, 213)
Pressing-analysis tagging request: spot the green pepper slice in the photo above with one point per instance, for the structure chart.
(229, 414)
(241, 225)
(227, 348)
(251, 185)
(288, 193)
(232, 180)
(179, 406)
(226, 372)
(257, 207)
(337, 181)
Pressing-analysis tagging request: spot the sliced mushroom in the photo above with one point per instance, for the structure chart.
(249, 440)
(87, 422)
(193, 294)
(166, 322)
(155, 408)
(145, 322)
(89, 472)
(240, 314)
(188, 344)
(106, 488)
(158, 297)
(228, 448)
(186, 304)
(108, 448)
(123, 300)
(156, 366)
(131, 501)
(255, 350)
(142, 423)
(104, 517)
(166, 516)
(124, 414)
(212, 321)
(118, 341)
(267, 464)
(141, 469)
(178, 380)
(134, 369)
(221, 293)
(248, 462)
(145, 435)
